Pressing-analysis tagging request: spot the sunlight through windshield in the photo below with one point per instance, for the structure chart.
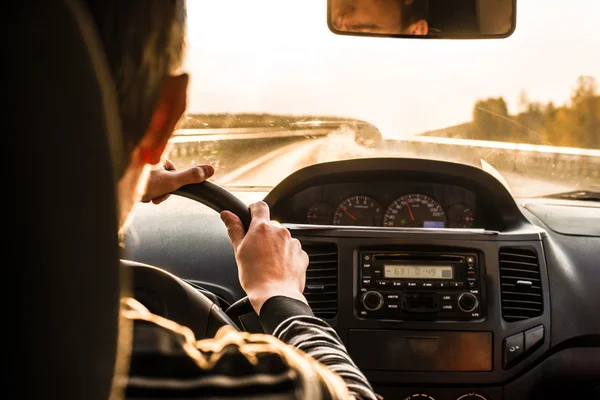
(273, 90)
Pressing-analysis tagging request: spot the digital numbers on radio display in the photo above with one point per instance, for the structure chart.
(418, 271)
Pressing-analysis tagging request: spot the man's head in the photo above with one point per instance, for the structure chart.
(381, 16)
(144, 45)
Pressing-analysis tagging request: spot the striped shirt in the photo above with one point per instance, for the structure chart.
(298, 357)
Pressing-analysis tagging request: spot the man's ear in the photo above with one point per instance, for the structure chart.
(171, 105)
(419, 28)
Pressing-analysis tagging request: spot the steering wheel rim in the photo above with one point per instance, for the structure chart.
(219, 199)
(169, 296)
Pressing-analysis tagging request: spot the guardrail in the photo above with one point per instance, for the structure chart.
(240, 145)
(202, 135)
(547, 161)
(231, 148)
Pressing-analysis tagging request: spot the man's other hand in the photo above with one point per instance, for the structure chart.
(165, 180)
(270, 262)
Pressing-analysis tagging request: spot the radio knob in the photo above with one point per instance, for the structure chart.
(467, 302)
(372, 301)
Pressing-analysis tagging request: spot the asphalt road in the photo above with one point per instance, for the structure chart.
(269, 169)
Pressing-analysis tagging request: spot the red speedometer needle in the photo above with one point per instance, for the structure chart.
(350, 215)
(412, 217)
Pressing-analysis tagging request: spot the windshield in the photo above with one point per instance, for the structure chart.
(273, 90)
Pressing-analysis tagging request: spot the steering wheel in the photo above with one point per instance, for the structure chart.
(168, 296)
(219, 199)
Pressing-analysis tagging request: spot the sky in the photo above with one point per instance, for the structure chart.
(278, 56)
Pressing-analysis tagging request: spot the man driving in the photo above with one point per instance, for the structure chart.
(301, 356)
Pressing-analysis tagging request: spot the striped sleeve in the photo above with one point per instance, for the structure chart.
(292, 322)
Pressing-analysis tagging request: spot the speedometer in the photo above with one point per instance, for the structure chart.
(415, 211)
(358, 210)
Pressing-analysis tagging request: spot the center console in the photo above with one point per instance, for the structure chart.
(436, 316)
(409, 286)
(428, 286)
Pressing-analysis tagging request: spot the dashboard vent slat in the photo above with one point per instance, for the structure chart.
(518, 278)
(322, 279)
(519, 270)
(523, 302)
(520, 255)
(520, 284)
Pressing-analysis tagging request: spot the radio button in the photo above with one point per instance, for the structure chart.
(398, 284)
(449, 297)
(427, 285)
(372, 301)
(457, 284)
(411, 284)
(382, 283)
(392, 297)
(467, 302)
(442, 285)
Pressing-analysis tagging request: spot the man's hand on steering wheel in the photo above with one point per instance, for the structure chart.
(166, 179)
(270, 262)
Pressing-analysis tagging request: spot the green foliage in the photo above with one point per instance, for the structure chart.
(575, 124)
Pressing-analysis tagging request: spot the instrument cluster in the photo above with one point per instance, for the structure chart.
(388, 204)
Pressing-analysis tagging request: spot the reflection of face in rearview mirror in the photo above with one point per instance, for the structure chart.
(431, 18)
(380, 16)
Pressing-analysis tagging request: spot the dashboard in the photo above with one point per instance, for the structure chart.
(474, 296)
(389, 203)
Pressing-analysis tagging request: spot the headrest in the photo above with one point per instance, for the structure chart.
(64, 123)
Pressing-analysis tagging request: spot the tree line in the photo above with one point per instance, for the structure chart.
(573, 124)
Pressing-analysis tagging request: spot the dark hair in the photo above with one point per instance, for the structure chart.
(412, 11)
(144, 42)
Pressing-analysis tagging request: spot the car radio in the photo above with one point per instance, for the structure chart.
(419, 286)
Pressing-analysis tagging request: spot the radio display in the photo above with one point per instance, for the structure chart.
(418, 271)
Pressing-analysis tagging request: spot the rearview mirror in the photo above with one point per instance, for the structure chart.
(441, 19)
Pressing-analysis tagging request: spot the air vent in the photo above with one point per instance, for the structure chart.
(322, 279)
(521, 288)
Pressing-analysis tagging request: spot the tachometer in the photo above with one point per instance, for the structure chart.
(415, 211)
(358, 210)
